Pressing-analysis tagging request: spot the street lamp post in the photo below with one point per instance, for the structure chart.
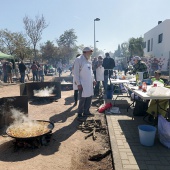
(97, 41)
(97, 19)
(96, 46)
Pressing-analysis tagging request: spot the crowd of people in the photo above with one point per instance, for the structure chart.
(87, 77)
(20, 71)
(6, 71)
(88, 74)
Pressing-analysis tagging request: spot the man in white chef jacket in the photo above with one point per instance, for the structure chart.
(84, 79)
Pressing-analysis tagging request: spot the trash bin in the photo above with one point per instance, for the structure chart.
(147, 134)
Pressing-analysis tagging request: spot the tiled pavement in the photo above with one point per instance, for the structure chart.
(127, 151)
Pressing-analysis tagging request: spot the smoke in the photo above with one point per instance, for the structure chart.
(20, 117)
(25, 127)
(65, 82)
(44, 92)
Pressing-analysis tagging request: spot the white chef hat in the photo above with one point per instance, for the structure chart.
(86, 49)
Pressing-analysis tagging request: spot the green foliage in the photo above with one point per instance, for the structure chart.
(68, 39)
(131, 48)
(67, 45)
(49, 52)
(122, 50)
(136, 46)
(14, 43)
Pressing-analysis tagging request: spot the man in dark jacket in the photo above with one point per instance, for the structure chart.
(22, 69)
(139, 66)
(108, 64)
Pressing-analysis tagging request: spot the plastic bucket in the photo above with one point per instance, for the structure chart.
(147, 134)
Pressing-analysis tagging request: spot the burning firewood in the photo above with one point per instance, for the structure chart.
(91, 127)
(92, 134)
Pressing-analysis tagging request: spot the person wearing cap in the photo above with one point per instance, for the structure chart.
(99, 75)
(108, 64)
(157, 77)
(163, 103)
(139, 66)
(84, 78)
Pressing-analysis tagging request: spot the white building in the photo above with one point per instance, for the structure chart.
(157, 46)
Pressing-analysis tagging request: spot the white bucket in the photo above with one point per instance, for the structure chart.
(147, 134)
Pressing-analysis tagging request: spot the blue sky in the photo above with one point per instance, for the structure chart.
(119, 19)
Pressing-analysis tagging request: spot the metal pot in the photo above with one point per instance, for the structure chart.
(45, 97)
(50, 127)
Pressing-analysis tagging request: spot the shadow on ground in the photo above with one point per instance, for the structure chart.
(63, 116)
(69, 100)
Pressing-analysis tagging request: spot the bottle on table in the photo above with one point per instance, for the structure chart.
(137, 79)
(144, 86)
(140, 84)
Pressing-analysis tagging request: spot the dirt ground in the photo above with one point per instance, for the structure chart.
(67, 150)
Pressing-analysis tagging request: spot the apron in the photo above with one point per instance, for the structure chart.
(86, 79)
(100, 73)
(74, 84)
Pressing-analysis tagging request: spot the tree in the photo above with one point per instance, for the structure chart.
(117, 53)
(136, 46)
(34, 29)
(49, 52)
(7, 41)
(14, 43)
(67, 45)
(22, 47)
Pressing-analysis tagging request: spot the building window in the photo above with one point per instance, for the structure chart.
(148, 47)
(152, 44)
(144, 44)
(160, 38)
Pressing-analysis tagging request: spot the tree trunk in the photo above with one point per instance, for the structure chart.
(35, 55)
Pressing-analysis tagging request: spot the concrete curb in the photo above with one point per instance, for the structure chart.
(115, 152)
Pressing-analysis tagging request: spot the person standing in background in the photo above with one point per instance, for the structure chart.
(38, 70)
(22, 69)
(75, 88)
(41, 73)
(108, 64)
(59, 67)
(99, 75)
(4, 67)
(9, 72)
(34, 69)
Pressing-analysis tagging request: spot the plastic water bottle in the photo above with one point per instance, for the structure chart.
(137, 79)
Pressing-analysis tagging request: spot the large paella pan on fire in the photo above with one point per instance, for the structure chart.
(31, 129)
